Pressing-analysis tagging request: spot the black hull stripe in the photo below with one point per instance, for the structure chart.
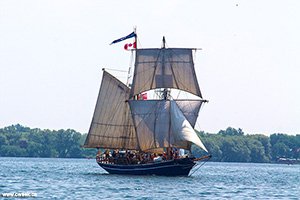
(144, 169)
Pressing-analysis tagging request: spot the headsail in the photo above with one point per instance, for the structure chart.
(112, 125)
(164, 68)
(182, 129)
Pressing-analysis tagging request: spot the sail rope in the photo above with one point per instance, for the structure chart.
(111, 69)
(199, 166)
(197, 123)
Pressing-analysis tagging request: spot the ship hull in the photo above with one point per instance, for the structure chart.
(176, 167)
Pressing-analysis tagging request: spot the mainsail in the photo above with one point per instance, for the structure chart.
(112, 125)
(164, 68)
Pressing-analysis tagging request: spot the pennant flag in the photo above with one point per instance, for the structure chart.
(131, 35)
(130, 45)
(144, 96)
(297, 150)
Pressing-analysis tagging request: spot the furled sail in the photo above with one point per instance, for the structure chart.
(112, 125)
(164, 68)
(156, 128)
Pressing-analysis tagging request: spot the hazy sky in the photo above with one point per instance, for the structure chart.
(52, 53)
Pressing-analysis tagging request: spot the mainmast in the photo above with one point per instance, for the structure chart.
(166, 91)
(164, 43)
(135, 37)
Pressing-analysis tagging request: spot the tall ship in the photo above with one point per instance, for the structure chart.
(145, 126)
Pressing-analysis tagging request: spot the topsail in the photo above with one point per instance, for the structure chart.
(164, 68)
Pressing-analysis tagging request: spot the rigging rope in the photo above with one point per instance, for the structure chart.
(197, 123)
(115, 70)
(199, 166)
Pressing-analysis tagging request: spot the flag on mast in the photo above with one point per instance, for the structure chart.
(130, 46)
(131, 35)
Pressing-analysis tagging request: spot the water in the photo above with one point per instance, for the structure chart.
(55, 178)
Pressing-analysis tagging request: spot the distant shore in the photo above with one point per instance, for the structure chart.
(230, 145)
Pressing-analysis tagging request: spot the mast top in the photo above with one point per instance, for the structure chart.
(164, 42)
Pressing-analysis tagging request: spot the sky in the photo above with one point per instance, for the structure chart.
(52, 53)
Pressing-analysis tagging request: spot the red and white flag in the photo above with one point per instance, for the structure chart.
(144, 96)
(130, 46)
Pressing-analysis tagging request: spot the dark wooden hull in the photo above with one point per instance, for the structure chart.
(176, 167)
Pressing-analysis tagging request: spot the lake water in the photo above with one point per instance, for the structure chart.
(55, 178)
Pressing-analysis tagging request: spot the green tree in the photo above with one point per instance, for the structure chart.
(13, 151)
(235, 150)
(3, 140)
(46, 139)
(279, 150)
(231, 131)
(66, 140)
(257, 150)
(34, 149)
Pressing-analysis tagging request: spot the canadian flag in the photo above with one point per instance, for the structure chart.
(130, 45)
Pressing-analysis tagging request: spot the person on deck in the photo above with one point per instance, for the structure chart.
(164, 157)
(176, 154)
(171, 154)
(150, 158)
(106, 153)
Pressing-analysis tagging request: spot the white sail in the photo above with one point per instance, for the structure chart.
(156, 127)
(164, 68)
(190, 109)
(151, 120)
(112, 125)
(182, 129)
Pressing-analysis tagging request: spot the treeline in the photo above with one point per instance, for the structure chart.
(20, 141)
(230, 145)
